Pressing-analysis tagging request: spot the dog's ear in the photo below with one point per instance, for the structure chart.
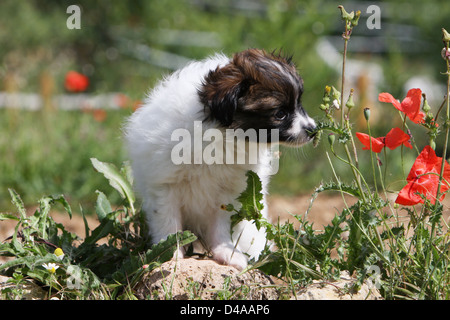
(220, 92)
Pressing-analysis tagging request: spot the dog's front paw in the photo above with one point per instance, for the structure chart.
(230, 256)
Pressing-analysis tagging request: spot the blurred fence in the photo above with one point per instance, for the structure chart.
(80, 101)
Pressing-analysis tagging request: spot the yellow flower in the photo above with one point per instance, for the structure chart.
(59, 253)
(51, 267)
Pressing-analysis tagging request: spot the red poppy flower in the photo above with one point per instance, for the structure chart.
(76, 82)
(395, 138)
(377, 143)
(423, 179)
(410, 105)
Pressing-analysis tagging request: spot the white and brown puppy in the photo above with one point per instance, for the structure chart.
(253, 90)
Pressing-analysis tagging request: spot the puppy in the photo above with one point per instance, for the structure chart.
(186, 166)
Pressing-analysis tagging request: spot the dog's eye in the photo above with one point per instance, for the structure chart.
(280, 115)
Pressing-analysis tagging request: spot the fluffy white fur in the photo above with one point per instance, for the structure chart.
(189, 197)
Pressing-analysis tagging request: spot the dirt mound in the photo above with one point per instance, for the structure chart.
(205, 279)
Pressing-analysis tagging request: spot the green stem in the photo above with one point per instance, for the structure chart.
(355, 171)
(355, 153)
(447, 128)
(383, 181)
(377, 251)
(346, 37)
(440, 108)
(371, 158)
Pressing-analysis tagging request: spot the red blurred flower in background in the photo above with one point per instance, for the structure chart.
(423, 179)
(76, 82)
(410, 106)
(99, 115)
(395, 138)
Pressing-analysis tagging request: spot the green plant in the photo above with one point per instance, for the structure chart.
(404, 260)
(410, 266)
(88, 268)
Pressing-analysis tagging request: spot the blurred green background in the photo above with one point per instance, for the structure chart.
(124, 47)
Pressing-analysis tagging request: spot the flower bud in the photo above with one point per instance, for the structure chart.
(426, 107)
(350, 103)
(345, 15)
(59, 253)
(445, 35)
(335, 94)
(326, 99)
(367, 113)
(324, 107)
(355, 20)
(331, 138)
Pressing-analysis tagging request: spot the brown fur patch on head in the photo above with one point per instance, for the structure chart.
(272, 71)
(253, 81)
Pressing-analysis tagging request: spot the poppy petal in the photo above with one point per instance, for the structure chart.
(413, 192)
(396, 137)
(411, 105)
(407, 196)
(423, 179)
(427, 161)
(387, 97)
(377, 143)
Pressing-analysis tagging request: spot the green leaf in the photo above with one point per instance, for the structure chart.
(86, 225)
(41, 215)
(251, 201)
(41, 219)
(30, 261)
(127, 172)
(103, 206)
(15, 262)
(164, 250)
(62, 200)
(116, 180)
(105, 228)
(18, 203)
(340, 187)
(251, 197)
(7, 216)
(159, 253)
